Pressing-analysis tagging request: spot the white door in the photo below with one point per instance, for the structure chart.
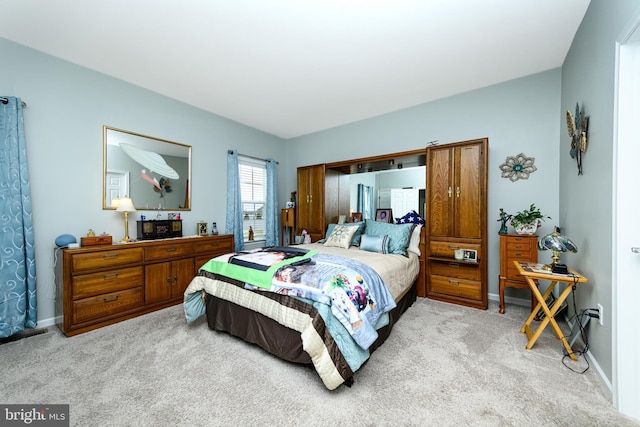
(117, 185)
(626, 210)
(404, 200)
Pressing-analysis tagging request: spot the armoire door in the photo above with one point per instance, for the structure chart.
(310, 208)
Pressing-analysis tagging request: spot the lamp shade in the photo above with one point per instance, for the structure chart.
(125, 205)
(556, 242)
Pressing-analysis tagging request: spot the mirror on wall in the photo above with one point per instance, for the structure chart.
(153, 172)
(401, 190)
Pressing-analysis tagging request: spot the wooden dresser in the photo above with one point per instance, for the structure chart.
(456, 217)
(515, 247)
(101, 285)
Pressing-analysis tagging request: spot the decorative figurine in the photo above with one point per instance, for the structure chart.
(250, 233)
(214, 228)
(504, 217)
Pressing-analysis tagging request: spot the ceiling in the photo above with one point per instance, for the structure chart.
(293, 67)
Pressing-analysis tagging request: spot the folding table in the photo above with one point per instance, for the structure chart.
(533, 272)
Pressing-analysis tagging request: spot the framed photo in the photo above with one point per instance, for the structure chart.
(356, 217)
(202, 229)
(470, 255)
(384, 215)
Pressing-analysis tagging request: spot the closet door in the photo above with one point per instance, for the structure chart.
(440, 192)
(468, 191)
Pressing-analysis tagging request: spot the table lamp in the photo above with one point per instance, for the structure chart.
(557, 243)
(124, 205)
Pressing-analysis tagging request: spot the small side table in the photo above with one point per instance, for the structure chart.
(532, 272)
(515, 247)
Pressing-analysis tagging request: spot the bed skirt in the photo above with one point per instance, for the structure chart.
(275, 338)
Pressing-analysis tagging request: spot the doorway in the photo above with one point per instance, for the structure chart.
(626, 263)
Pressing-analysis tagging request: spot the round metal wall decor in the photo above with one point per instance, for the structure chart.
(518, 167)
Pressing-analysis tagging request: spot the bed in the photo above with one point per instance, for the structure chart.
(301, 330)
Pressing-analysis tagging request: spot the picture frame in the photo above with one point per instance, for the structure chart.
(384, 215)
(470, 255)
(202, 229)
(356, 217)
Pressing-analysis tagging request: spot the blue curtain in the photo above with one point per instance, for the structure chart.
(234, 200)
(365, 201)
(18, 304)
(271, 207)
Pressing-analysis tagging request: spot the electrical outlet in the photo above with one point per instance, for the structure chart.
(600, 315)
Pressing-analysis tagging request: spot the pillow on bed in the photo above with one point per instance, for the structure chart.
(355, 241)
(341, 236)
(399, 234)
(378, 244)
(414, 240)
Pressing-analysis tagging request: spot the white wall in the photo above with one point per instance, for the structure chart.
(586, 201)
(67, 106)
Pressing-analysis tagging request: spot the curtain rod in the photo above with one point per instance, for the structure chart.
(6, 101)
(250, 157)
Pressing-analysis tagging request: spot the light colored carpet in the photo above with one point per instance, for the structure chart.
(443, 365)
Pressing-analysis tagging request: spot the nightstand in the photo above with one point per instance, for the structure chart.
(516, 247)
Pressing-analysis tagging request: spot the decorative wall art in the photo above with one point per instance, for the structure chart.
(518, 167)
(577, 128)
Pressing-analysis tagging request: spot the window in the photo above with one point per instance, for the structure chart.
(253, 187)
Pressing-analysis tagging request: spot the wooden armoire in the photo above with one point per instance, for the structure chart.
(322, 195)
(456, 218)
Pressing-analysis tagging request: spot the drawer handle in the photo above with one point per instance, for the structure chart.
(111, 298)
(518, 255)
(454, 282)
(454, 264)
(215, 243)
(171, 249)
(168, 280)
(453, 247)
(110, 276)
(110, 256)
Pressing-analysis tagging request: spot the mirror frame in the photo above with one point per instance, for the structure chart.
(160, 146)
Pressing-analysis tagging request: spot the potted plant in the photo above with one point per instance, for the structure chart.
(528, 220)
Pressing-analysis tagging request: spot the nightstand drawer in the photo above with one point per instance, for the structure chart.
(87, 285)
(456, 287)
(107, 304)
(105, 259)
(460, 270)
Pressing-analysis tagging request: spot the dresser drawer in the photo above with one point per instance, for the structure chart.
(160, 253)
(86, 285)
(460, 270)
(456, 287)
(105, 259)
(219, 246)
(107, 304)
(447, 249)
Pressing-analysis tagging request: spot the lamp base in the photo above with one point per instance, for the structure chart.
(560, 269)
(126, 240)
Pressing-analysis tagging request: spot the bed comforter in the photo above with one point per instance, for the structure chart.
(333, 351)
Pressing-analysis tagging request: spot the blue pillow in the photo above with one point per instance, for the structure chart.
(356, 237)
(411, 218)
(378, 244)
(399, 234)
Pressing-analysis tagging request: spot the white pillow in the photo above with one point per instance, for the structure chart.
(341, 236)
(414, 241)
